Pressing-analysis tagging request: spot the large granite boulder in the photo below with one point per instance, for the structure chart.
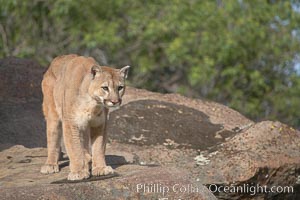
(21, 118)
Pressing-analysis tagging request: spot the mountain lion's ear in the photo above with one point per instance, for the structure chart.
(96, 69)
(124, 71)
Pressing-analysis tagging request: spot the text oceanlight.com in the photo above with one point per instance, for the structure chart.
(251, 189)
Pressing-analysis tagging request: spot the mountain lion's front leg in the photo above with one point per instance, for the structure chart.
(99, 167)
(73, 141)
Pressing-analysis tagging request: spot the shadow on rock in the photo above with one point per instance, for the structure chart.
(113, 160)
(151, 122)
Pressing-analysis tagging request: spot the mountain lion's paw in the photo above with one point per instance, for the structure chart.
(78, 175)
(98, 171)
(49, 169)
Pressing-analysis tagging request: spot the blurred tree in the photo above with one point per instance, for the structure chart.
(237, 52)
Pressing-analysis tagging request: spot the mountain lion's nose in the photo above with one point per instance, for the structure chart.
(115, 101)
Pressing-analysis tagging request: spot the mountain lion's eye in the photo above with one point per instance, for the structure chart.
(105, 88)
(120, 88)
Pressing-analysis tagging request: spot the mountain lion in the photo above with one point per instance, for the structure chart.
(77, 95)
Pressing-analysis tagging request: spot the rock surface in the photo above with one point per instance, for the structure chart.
(19, 170)
(21, 118)
(162, 139)
(147, 122)
(265, 154)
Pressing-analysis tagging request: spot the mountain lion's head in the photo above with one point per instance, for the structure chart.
(108, 85)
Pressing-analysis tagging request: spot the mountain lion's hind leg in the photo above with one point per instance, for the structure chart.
(53, 144)
(54, 131)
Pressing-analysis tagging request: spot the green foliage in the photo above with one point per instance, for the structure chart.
(237, 52)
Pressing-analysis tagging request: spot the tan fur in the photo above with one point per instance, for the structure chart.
(75, 106)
